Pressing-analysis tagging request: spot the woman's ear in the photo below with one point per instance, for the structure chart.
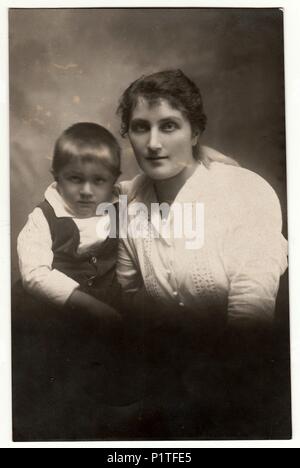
(195, 137)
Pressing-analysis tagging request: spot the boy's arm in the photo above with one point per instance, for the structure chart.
(36, 259)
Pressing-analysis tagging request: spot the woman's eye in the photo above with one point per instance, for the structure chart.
(169, 127)
(140, 128)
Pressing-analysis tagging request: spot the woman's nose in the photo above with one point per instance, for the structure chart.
(86, 189)
(154, 143)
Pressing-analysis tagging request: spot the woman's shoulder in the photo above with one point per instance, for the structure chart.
(131, 188)
(242, 183)
(225, 172)
(243, 195)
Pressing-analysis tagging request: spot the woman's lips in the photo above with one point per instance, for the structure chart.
(157, 158)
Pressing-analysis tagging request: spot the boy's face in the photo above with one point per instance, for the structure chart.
(86, 184)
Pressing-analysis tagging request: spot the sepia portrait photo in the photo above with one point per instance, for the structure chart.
(149, 241)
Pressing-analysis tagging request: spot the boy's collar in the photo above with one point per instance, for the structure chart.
(60, 207)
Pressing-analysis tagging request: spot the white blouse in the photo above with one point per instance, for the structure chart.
(238, 267)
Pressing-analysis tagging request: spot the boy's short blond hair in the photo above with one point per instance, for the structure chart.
(84, 140)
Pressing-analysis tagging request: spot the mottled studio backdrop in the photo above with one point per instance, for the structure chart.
(72, 65)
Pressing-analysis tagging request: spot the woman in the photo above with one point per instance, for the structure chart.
(221, 296)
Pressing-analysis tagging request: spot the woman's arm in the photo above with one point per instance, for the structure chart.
(255, 256)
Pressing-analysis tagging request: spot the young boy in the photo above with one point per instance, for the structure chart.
(65, 254)
(66, 311)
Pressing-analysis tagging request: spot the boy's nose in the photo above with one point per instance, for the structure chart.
(86, 189)
(154, 143)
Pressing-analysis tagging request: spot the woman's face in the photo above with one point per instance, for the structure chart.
(162, 139)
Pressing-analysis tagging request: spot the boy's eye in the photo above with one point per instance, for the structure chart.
(169, 126)
(75, 180)
(99, 181)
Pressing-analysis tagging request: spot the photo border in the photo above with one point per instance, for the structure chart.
(292, 91)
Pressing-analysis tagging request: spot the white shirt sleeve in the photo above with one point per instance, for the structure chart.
(255, 254)
(36, 259)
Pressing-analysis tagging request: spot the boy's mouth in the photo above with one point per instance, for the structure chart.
(86, 203)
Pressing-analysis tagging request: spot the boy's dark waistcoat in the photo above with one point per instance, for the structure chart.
(95, 271)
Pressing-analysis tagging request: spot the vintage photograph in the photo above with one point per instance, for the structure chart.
(149, 241)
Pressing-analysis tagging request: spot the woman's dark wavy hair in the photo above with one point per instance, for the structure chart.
(172, 85)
